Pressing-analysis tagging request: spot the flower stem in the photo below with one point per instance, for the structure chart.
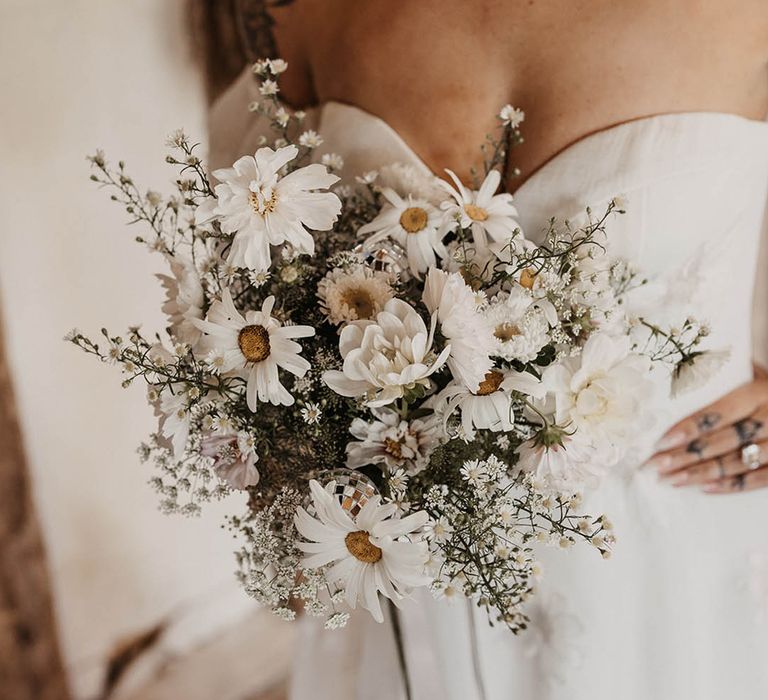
(394, 614)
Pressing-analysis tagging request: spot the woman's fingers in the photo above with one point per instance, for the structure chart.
(715, 444)
(746, 481)
(733, 407)
(719, 469)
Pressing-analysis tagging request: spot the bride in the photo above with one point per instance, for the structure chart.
(665, 104)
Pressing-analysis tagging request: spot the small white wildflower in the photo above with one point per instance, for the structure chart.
(310, 139)
(282, 117)
(476, 473)
(215, 361)
(276, 65)
(72, 335)
(337, 621)
(311, 413)
(299, 115)
(502, 442)
(193, 393)
(511, 116)
(222, 424)
(285, 614)
(368, 178)
(269, 88)
(398, 482)
(289, 274)
(332, 161)
(114, 353)
(176, 138)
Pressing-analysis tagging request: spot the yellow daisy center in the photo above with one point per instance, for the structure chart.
(491, 383)
(414, 219)
(475, 213)
(506, 331)
(393, 447)
(360, 300)
(527, 278)
(361, 548)
(260, 204)
(254, 343)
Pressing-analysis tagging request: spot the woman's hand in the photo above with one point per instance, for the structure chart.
(722, 448)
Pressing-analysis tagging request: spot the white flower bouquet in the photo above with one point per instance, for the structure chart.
(409, 390)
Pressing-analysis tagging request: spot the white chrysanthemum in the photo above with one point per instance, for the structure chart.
(520, 328)
(413, 223)
(234, 459)
(372, 553)
(490, 407)
(183, 299)
(489, 215)
(261, 208)
(354, 294)
(462, 324)
(393, 442)
(603, 393)
(254, 346)
(693, 373)
(385, 358)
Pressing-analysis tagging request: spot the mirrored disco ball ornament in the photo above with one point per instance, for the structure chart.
(384, 256)
(353, 489)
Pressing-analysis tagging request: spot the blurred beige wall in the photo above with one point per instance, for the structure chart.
(76, 75)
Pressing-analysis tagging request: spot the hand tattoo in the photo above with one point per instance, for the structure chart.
(747, 430)
(708, 422)
(697, 447)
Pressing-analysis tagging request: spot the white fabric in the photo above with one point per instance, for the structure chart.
(681, 610)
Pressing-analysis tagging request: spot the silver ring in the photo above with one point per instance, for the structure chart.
(751, 456)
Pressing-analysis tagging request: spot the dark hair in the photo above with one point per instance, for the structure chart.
(229, 35)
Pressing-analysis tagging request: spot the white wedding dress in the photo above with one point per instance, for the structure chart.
(680, 612)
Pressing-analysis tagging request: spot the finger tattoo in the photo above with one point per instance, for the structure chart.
(747, 430)
(708, 422)
(738, 482)
(721, 466)
(697, 447)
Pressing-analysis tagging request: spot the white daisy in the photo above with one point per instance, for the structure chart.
(261, 208)
(462, 324)
(488, 215)
(694, 372)
(414, 224)
(490, 406)
(394, 442)
(254, 346)
(386, 357)
(311, 413)
(520, 328)
(371, 553)
(353, 294)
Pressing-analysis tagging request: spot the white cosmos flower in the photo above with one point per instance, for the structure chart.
(414, 224)
(490, 406)
(254, 346)
(520, 328)
(393, 442)
(174, 407)
(354, 294)
(385, 357)
(603, 393)
(371, 553)
(261, 208)
(488, 215)
(183, 300)
(693, 373)
(234, 459)
(462, 324)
